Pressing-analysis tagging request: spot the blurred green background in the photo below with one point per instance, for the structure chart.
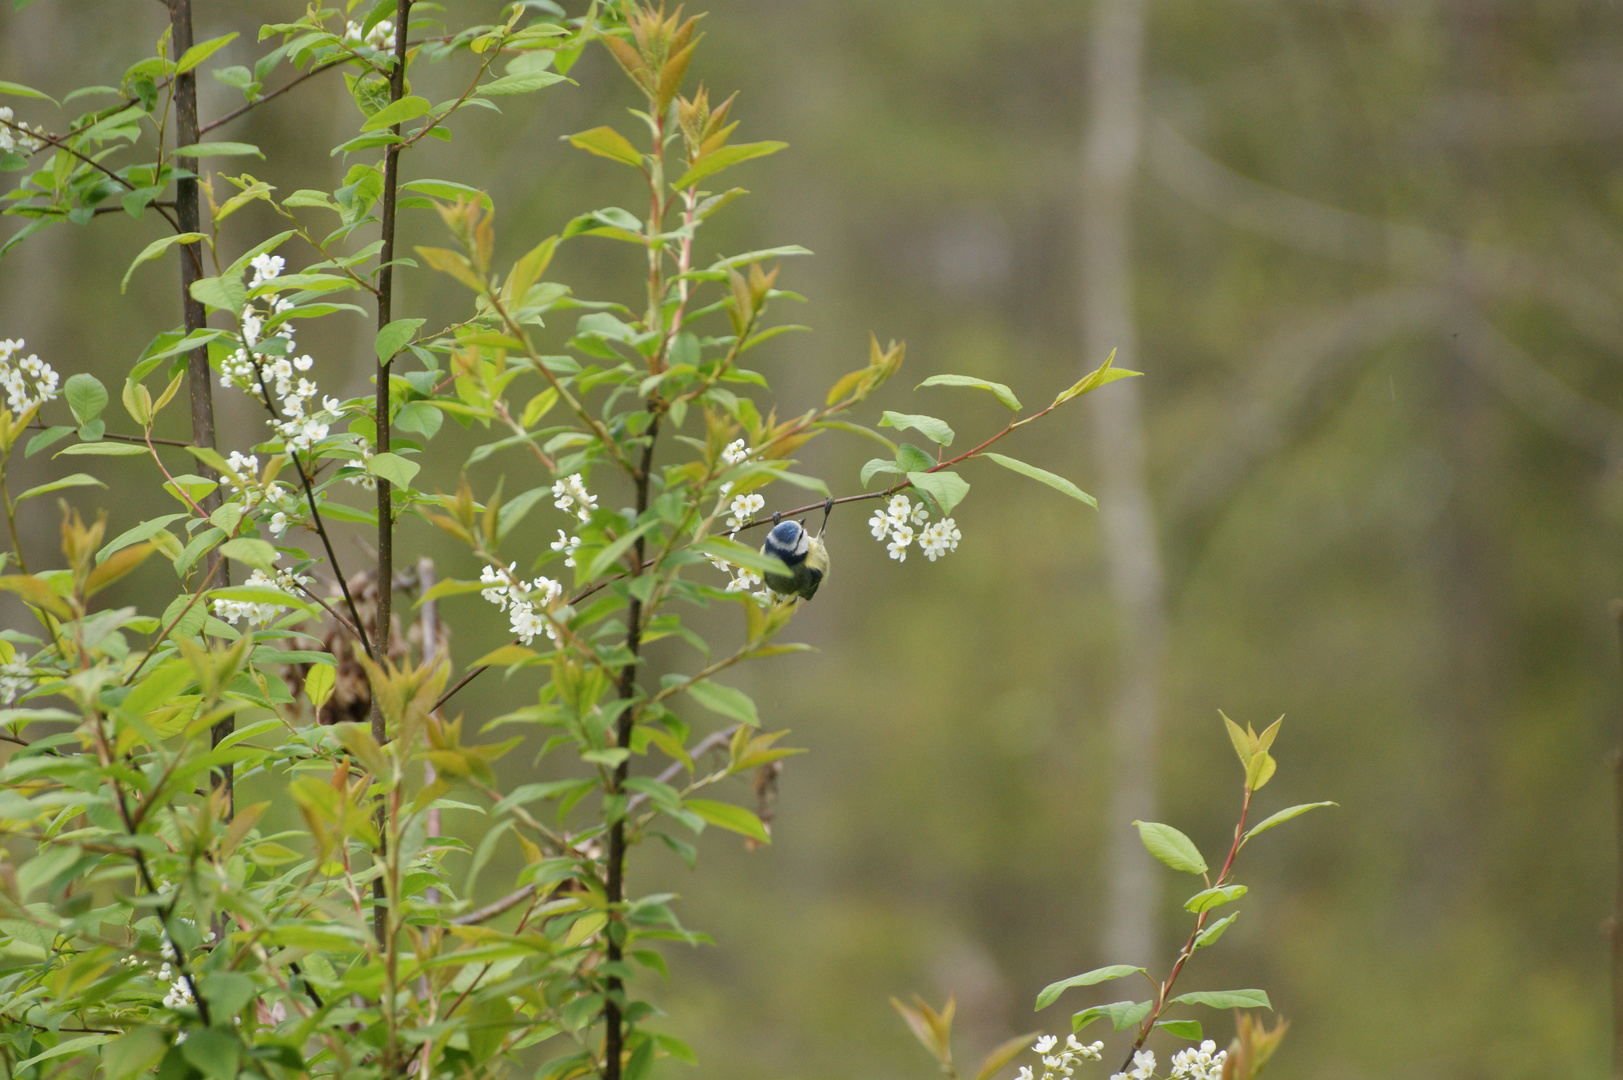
(1374, 278)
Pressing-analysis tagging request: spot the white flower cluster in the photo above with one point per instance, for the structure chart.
(897, 522)
(731, 455)
(1202, 1063)
(13, 137)
(252, 494)
(28, 382)
(1063, 1062)
(180, 991)
(566, 544)
(744, 509)
(16, 678)
(1143, 1067)
(570, 494)
(528, 604)
(253, 612)
(380, 36)
(300, 428)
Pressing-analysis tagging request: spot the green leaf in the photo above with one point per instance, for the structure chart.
(1003, 1054)
(319, 683)
(87, 397)
(947, 489)
(76, 480)
(448, 189)
(1238, 736)
(250, 552)
(1122, 1014)
(910, 458)
(1094, 379)
(103, 449)
(221, 293)
(1058, 483)
(133, 1052)
(1210, 935)
(218, 149)
(1003, 393)
(1226, 999)
(877, 465)
(739, 555)
(393, 468)
(47, 438)
(407, 108)
(727, 816)
(154, 249)
(935, 430)
(1171, 847)
(1052, 991)
(212, 1052)
(1182, 1029)
(67, 1046)
(724, 158)
(1275, 819)
(522, 83)
(606, 142)
(394, 337)
(726, 700)
(201, 52)
(20, 90)
(1207, 899)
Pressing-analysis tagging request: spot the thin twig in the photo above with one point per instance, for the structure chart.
(230, 116)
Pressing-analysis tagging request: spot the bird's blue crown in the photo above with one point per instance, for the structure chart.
(785, 541)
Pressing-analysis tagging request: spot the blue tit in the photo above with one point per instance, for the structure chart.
(804, 555)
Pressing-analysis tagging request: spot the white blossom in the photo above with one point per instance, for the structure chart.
(1060, 1062)
(901, 536)
(744, 509)
(255, 613)
(266, 267)
(938, 538)
(16, 678)
(879, 525)
(528, 604)
(570, 494)
(1143, 1067)
(566, 544)
(278, 523)
(28, 382)
(1199, 1063)
(744, 582)
(23, 135)
(380, 36)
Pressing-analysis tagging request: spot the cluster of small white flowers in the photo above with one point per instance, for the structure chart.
(253, 612)
(897, 521)
(527, 603)
(299, 427)
(15, 678)
(1063, 1062)
(570, 494)
(744, 509)
(1202, 1063)
(380, 36)
(566, 544)
(28, 382)
(252, 493)
(743, 581)
(14, 137)
(734, 453)
(1143, 1067)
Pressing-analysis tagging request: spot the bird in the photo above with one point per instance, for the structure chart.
(805, 555)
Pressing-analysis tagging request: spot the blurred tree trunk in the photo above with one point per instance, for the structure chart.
(1110, 159)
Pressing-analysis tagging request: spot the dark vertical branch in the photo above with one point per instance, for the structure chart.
(1615, 924)
(199, 387)
(612, 1013)
(385, 569)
